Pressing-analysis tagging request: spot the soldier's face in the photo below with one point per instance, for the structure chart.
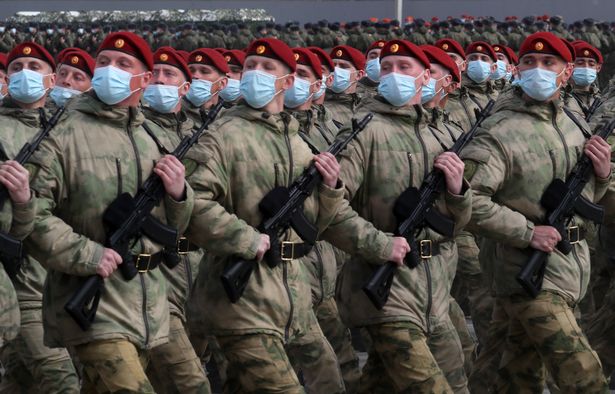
(461, 63)
(407, 66)
(73, 78)
(355, 74)
(33, 64)
(587, 62)
(442, 76)
(284, 77)
(235, 72)
(141, 76)
(209, 73)
(165, 74)
(305, 72)
(483, 58)
(547, 62)
(503, 58)
(374, 54)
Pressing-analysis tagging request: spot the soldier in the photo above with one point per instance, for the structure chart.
(509, 172)
(325, 117)
(99, 152)
(557, 28)
(458, 34)
(29, 364)
(368, 85)
(587, 64)
(208, 68)
(73, 76)
(342, 99)
(234, 59)
(176, 368)
(505, 65)
(420, 34)
(481, 64)
(320, 262)
(275, 311)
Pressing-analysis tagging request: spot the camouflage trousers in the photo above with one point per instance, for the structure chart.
(468, 344)
(480, 302)
(113, 365)
(600, 330)
(339, 337)
(174, 366)
(544, 332)
(446, 347)
(400, 361)
(32, 367)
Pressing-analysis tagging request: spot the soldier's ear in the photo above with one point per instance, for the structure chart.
(598, 68)
(222, 83)
(426, 77)
(316, 87)
(288, 82)
(329, 80)
(50, 81)
(146, 78)
(360, 74)
(494, 67)
(183, 89)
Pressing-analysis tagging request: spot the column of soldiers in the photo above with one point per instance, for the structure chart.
(288, 94)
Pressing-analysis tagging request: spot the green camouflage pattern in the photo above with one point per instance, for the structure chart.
(367, 88)
(516, 154)
(445, 345)
(342, 106)
(77, 174)
(461, 108)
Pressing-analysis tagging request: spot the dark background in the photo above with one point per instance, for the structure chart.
(340, 10)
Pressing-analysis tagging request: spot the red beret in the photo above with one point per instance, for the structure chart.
(209, 57)
(508, 52)
(129, 43)
(79, 59)
(184, 54)
(404, 48)
(570, 48)
(547, 43)
(169, 56)
(60, 55)
(376, 45)
(354, 56)
(324, 57)
(451, 46)
(234, 57)
(481, 47)
(438, 56)
(308, 58)
(220, 50)
(584, 49)
(30, 49)
(273, 49)
(3, 60)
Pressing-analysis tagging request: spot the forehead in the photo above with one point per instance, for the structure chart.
(305, 70)
(166, 68)
(392, 59)
(29, 60)
(116, 55)
(542, 57)
(374, 51)
(342, 62)
(585, 59)
(66, 69)
(438, 69)
(257, 59)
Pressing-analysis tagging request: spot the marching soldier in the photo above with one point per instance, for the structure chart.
(368, 85)
(342, 99)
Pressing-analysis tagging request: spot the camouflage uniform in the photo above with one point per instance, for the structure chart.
(275, 311)
(78, 161)
(28, 362)
(342, 106)
(396, 150)
(461, 108)
(367, 88)
(176, 368)
(514, 169)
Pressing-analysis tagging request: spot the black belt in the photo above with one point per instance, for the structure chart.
(575, 234)
(146, 262)
(184, 246)
(294, 250)
(428, 248)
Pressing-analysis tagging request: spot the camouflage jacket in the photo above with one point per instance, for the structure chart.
(367, 88)
(248, 154)
(196, 114)
(396, 151)
(181, 278)
(325, 118)
(517, 153)
(479, 93)
(15, 219)
(461, 108)
(342, 106)
(92, 157)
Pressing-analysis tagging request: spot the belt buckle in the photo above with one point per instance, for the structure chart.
(182, 246)
(283, 248)
(141, 257)
(423, 245)
(577, 235)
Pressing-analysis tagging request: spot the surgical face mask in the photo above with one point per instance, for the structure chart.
(341, 80)
(323, 88)
(372, 69)
(299, 94)
(500, 71)
(200, 92)
(26, 86)
(60, 95)
(479, 71)
(112, 85)
(508, 76)
(539, 84)
(231, 91)
(162, 98)
(397, 89)
(584, 76)
(429, 91)
(258, 88)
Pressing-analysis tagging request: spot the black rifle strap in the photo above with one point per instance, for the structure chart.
(42, 117)
(161, 147)
(576, 121)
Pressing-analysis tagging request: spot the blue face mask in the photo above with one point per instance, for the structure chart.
(199, 92)
(429, 91)
(26, 86)
(341, 80)
(162, 98)
(231, 91)
(60, 95)
(397, 89)
(323, 88)
(479, 71)
(372, 68)
(500, 71)
(584, 76)
(112, 85)
(298, 94)
(258, 88)
(508, 76)
(539, 84)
